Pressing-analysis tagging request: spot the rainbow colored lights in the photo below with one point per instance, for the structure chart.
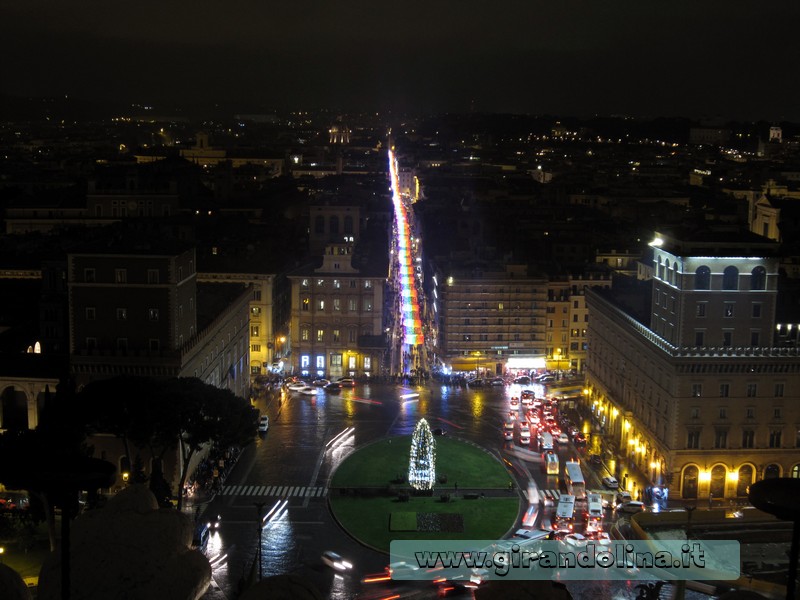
(412, 324)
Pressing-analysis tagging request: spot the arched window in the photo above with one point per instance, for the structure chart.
(674, 278)
(319, 224)
(744, 481)
(717, 485)
(667, 272)
(772, 471)
(660, 272)
(702, 278)
(730, 278)
(796, 471)
(689, 483)
(348, 225)
(758, 278)
(334, 225)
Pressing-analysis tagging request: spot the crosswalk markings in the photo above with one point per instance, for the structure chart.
(280, 491)
(549, 495)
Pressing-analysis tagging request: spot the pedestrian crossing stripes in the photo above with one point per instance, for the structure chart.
(278, 491)
(552, 495)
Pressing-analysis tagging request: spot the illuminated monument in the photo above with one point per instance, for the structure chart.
(422, 464)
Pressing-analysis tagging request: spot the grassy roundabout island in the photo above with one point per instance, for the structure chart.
(370, 499)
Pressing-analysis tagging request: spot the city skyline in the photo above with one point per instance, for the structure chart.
(727, 60)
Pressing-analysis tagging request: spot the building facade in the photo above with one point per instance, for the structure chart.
(696, 393)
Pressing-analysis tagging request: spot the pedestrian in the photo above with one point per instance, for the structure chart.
(710, 500)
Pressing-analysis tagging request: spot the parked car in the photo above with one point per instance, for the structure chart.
(347, 382)
(610, 482)
(523, 380)
(623, 497)
(476, 382)
(263, 424)
(634, 506)
(497, 381)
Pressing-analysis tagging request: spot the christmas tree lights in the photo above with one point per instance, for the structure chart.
(422, 464)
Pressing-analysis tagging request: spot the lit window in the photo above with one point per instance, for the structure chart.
(122, 314)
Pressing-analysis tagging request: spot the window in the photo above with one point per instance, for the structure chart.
(306, 304)
(756, 310)
(775, 438)
(255, 370)
(320, 335)
(336, 360)
(320, 283)
(367, 305)
(180, 310)
(351, 305)
(697, 390)
(727, 338)
(367, 363)
(91, 343)
(695, 412)
(699, 338)
(337, 283)
(776, 413)
(730, 278)
(255, 348)
(353, 283)
(728, 310)
(701, 309)
(752, 390)
(305, 361)
(120, 275)
(91, 314)
(720, 438)
(723, 413)
(758, 278)
(255, 311)
(122, 314)
(724, 390)
(152, 314)
(152, 276)
(254, 330)
(779, 390)
(337, 304)
(351, 335)
(154, 344)
(319, 226)
(750, 412)
(755, 338)
(367, 284)
(693, 440)
(702, 278)
(257, 295)
(321, 304)
(305, 334)
(499, 306)
(122, 344)
(89, 276)
(304, 283)
(320, 362)
(748, 438)
(335, 335)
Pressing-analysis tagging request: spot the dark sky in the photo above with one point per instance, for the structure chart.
(734, 59)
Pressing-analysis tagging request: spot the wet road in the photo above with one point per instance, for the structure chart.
(285, 475)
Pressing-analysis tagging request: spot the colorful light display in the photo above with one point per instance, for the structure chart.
(412, 324)
(422, 461)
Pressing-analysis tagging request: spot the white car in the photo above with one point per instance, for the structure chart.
(296, 387)
(563, 438)
(508, 435)
(308, 391)
(525, 438)
(632, 507)
(575, 539)
(335, 561)
(263, 424)
(610, 482)
(524, 427)
(320, 382)
(347, 382)
(509, 426)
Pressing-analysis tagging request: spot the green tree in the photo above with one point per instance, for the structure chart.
(157, 415)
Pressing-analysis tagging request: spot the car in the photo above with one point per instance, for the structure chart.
(610, 482)
(513, 415)
(308, 391)
(476, 382)
(595, 459)
(575, 539)
(320, 382)
(579, 440)
(497, 381)
(524, 427)
(263, 424)
(509, 426)
(333, 386)
(546, 379)
(297, 386)
(602, 538)
(347, 382)
(634, 506)
(214, 521)
(514, 401)
(525, 438)
(439, 431)
(523, 380)
(508, 435)
(623, 497)
(563, 438)
(335, 561)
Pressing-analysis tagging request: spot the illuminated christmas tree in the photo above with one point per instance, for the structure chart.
(422, 465)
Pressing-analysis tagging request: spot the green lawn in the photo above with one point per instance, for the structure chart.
(378, 464)
(368, 519)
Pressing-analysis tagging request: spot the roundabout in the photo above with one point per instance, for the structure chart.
(472, 499)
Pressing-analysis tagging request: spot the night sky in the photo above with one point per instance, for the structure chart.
(733, 59)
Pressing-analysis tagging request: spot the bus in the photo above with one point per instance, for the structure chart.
(565, 514)
(576, 486)
(551, 463)
(594, 512)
